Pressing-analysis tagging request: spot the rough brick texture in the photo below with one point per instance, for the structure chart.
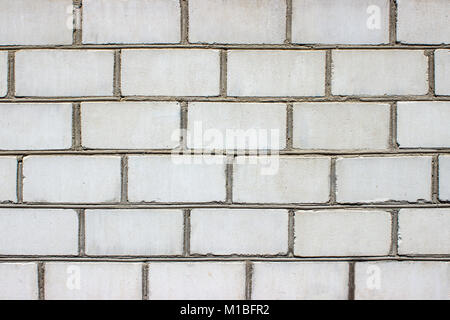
(224, 149)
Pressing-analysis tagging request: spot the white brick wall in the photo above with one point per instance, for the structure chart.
(212, 149)
(442, 72)
(244, 231)
(276, 73)
(298, 281)
(423, 124)
(236, 125)
(64, 73)
(18, 281)
(340, 22)
(71, 179)
(423, 231)
(148, 178)
(217, 21)
(125, 125)
(93, 281)
(131, 21)
(379, 72)
(170, 72)
(134, 232)
(196, 281)
(281, 180)
(423, 21)
(377, 179)
(34, 126)
(38, 232)
(38, 22)
(333, 233)
(341, 126)
(405, 280)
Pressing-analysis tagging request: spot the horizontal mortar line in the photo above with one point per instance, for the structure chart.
(290, 46)
(255, 152)
(6, 259)
(391, 205)
(259, 99)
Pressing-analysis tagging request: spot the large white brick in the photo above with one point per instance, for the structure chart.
(30, 126)
(37, 22)
(196, 281)
(423, 124)
(130, 125)
(340, 22)
(377, 179)
(379, 72)
(341, 126)
(234, 231)
(18, 281)
(38, 232)
(236, 125)
(8, 176)
(71, 179)
(237, 21)
(276, 73)
(134, 232)
(131, 21)
(299, 281)
(174, 72)
(176, 178)
(421, 21)
(424, 231)
(64, 73)
(93, 281)
(333, 233)
(442, 72)
(3, 73)
(404, 280)
(444, 178)
(276, 179)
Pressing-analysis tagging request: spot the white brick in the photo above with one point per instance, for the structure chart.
(196, 281)
(37, 22)
(442, 72)
(420, 21)
(18, 281)
(3, 73)
(234, 231)
(131, 21)
(276, 179)
(134, 232)
(444, 178)
(404, 280)
(38, 232)
(276, 73)
(377, 179)
(71, 179)
(379, 72)
(97, 281)
(424, 231)
(333, 233)
(8, 175)
(299, 281)
(176, 178)
(173, 72)
(237, 21)
(64, 73)
(423, 124)
(340, 22)
(236, 125)
(31, 126)
(341, 126)
(130, 125)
